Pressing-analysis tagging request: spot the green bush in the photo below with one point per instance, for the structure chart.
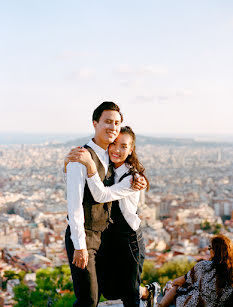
(22, 296)
(173, 269)
(66, 300)
(205, 225)
(168, 271)
(149, 273)
(49, 280)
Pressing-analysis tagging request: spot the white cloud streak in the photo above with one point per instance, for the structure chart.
(140, 70)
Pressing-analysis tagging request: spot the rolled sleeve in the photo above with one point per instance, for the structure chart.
(76, 176)
(104, 194)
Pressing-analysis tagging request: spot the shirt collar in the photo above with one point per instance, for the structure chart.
(121, 170)
(99, 150)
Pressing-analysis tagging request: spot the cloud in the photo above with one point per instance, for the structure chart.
(152, 70)
(71, 54)
(82, 74)
(140, 70)
(230, 22)
(164, 96)
(131, 83)
(183, 92)
(86, 73)
(125, 83)
(144, 99)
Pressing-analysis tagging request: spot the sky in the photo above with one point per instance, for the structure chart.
(167, 64)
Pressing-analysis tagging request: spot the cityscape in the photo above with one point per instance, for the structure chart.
(190, 199)
(168, 67)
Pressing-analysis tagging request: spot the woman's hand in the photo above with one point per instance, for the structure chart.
(77, 154)
(178, 281)
(83, 156)
(71, 157)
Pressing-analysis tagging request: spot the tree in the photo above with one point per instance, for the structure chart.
(173, 269)
(205, 225)
(149, 273)
(67, 300)
(217, 229)
(22, 296)
(48, 281)
(166, 272)
(10, 275)
(21, 275)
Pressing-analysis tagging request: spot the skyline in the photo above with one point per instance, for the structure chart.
(168, 65)
(19, 138)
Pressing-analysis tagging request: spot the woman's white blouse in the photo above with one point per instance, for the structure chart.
(122, 191)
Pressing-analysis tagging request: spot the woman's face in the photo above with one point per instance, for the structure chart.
(120, 149)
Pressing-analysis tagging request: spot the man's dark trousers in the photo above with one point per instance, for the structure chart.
(97, 219)
(85, 280)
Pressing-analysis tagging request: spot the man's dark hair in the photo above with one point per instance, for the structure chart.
(105, 106)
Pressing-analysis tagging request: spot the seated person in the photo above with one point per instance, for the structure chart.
(208, 283)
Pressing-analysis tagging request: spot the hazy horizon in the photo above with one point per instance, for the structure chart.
(15, 138)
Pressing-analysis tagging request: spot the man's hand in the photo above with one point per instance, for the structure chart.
(80, 258)
(71, 157)
(139, 184)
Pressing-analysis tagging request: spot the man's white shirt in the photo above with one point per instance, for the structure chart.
(122, 191)
(76, 180)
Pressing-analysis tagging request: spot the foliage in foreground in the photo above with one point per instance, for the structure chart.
(8, 275)
(167, 271)
(51, 279)
(46, 293)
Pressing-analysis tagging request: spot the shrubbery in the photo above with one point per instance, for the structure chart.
(49, 281)
(167, 271)
(212, 228)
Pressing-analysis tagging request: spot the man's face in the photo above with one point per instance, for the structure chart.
(107, 128)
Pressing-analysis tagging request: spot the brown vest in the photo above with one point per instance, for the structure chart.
(97, 216)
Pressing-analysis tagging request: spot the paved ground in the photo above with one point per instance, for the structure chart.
(117, 303)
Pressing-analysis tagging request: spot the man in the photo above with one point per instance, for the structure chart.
(87, 219)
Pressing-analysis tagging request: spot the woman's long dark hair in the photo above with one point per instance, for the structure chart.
(222, 261)
(132, 160)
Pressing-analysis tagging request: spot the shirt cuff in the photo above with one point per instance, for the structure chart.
(79, 243)
(94, 178)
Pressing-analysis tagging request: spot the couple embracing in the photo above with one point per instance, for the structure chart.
(103, 239)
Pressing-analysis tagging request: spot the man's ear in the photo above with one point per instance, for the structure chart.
(94, 123)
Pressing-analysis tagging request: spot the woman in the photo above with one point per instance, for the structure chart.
(209, 283)
(123, 249)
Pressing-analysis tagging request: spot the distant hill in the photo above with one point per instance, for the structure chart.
(148, 140)
(78, 142)
(19, 138)
(69, 140)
